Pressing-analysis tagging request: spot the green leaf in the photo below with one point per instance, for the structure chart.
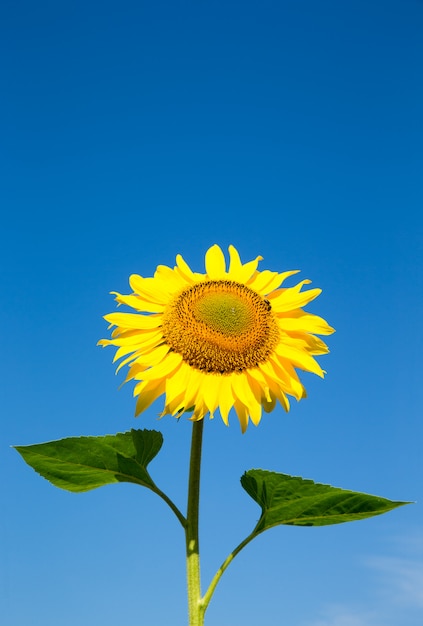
(83, 463)
(296, 501)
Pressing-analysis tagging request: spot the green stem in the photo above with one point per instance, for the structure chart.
(195, 605)
(208, 595)
(169, 502)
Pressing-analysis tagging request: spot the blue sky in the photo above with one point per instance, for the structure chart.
(132, 132)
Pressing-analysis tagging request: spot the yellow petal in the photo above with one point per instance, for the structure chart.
(260, 388)
(169, 278)
(154, 356)
(138, 303)
(130, 358)
(176, 384)
(195, 379)
(299, 320)
(305, 342)
(134, 338)
(242, 414)
(163, 369)
(159, 288)
(269, 405)
(142, 361)
(261, 381)
(299, 358)
(120, 333)
(284, 370)
(227, 399)
(215, 263)
(135, 372)
(211, 394)
(132, 320)
(313, 344)
(280, 395)
(143, 350)
(239, 272)
(199, 412)
(147, 392)
(243, 392)
(148, 289)
(185, 271)
(289, 299)
(267, 281)
(277, 376)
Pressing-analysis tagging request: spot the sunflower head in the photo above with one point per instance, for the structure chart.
(229, 338)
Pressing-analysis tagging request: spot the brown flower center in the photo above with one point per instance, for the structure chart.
(220, 327)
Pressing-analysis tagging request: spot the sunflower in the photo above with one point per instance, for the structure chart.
(229, 338)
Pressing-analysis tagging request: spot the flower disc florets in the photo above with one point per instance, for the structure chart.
(230, 338)
(220, 327)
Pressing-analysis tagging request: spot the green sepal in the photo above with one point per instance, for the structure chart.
(82, 463)
(296, 501)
